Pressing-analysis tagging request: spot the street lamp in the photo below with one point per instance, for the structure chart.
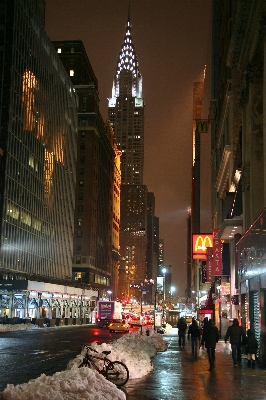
(109, 294)
(164, 271)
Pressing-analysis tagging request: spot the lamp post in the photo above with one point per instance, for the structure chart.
(155, 308)
(164, 271)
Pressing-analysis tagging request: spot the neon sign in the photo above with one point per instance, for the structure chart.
(200, 242)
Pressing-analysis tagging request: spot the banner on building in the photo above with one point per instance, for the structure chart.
(217, 267)
(203, 272)
(209, 253)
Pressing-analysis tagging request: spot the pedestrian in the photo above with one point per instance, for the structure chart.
(237, 337)
(182, 328)
(194, 332)
(251, 348)
(209, 338)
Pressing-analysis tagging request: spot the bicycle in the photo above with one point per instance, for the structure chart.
(114, 371)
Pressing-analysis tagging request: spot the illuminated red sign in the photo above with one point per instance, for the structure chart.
(200, 242)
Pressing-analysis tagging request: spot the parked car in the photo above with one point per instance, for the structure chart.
(118, 325)
(149, 320)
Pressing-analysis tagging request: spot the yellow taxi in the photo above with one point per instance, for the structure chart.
(118, 325)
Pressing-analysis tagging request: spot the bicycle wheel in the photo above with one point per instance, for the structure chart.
(117, 373)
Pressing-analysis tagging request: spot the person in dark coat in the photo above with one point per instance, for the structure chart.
(237, 335)
(209, 338)
(182, 328)
(252, 348)
(194, 332)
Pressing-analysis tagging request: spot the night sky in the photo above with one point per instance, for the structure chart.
(172, 40)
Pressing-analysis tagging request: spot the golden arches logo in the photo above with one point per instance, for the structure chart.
(202, 126)
(201, 242)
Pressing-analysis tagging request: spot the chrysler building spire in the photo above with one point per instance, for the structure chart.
(127, 60)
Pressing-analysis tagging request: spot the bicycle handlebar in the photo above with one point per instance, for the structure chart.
(89, 348)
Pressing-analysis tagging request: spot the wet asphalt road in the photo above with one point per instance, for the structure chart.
(25, 355)
(178, 375)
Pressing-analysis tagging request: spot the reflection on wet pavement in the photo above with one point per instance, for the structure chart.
(178, 375)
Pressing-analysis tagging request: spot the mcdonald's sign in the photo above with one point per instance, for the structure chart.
(202, 125)
(200, 242)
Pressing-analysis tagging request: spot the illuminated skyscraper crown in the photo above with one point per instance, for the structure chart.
(127, 57)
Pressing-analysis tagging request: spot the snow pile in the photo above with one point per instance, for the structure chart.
(17, 327)
(168, 328)
(132, 349)
(82, 383)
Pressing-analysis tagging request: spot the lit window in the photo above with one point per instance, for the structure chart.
(81, 183)
(80, 221)
(71, 73)
(59, 50)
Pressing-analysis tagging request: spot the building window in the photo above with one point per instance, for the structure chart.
(59, 50)
(78, 247)
(79, 234)
(80, 208)
(81, 171)
(72, 50)
(80, 221)
(71, 72)
(81, 183)
(78, 260)
(82, 134)
(82, 159)
(81, 196)
(82, 146)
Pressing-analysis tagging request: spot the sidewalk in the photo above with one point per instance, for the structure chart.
(178, 375)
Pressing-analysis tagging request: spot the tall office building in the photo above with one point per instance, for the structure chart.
(126, 114)
(38, 145)
(152, 247)
(97, 212)
(38, 150)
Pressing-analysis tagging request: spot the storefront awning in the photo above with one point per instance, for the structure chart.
(205, 311)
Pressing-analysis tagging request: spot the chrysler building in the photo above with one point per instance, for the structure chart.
(126, 115)
(126, 112)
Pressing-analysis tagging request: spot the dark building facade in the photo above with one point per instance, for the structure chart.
(38, 141)
(93, 225)
(152, 247)
(238, 156)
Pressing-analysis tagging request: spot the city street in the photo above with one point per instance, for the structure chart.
(25, 355)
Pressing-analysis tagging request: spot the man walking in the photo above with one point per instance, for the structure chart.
(210, 337)
(194, 332)
(237, 335)
(182, 328)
